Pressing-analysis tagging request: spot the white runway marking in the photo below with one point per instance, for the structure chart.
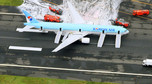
(78, 70)
(25, 48)
(11, 13)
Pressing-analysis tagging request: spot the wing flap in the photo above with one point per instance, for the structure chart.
(65, 36)
(101, 40)
(57, 37)
(118, 41)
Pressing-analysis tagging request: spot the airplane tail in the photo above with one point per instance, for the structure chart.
(29, 18)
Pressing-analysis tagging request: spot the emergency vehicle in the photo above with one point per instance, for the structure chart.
(57, 11)
(140, 12)
(147, 62)
(121, 22)
(51, 18)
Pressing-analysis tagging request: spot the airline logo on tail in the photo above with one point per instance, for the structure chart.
(30, 18)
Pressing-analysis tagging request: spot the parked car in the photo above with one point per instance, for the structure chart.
(51, 18)
(140, 12)
(57, 10)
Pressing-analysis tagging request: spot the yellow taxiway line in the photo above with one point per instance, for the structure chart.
(119, 11)
(141, 2)
(136, 16)
(50, 2)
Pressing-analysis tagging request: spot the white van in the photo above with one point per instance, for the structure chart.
(147, 62)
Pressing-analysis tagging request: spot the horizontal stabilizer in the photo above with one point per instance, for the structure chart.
(118, 41)
(57, 37)
(101, 40)
(30, 30)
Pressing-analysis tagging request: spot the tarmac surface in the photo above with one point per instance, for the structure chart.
(9, 9)
(55, 1)
(136, 46)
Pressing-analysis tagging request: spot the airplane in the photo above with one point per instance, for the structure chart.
(73, 32)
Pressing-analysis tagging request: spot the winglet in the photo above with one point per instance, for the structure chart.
(29, 17)
(56, 50)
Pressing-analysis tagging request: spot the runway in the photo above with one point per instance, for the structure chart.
(136, 46)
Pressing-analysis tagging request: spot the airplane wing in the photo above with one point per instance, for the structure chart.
(76, 18)
(71, 39)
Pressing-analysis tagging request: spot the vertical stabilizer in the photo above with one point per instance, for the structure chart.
(29, 18)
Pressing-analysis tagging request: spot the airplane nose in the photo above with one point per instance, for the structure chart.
(126, 31)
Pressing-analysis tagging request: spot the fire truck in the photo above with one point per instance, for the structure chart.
(120, 22)
(57, 10)
(140, 12)
(51, 18)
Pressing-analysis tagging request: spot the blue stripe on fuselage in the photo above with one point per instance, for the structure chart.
(76, 27)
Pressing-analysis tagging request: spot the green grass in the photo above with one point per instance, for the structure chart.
(7, 79)
(11, 2)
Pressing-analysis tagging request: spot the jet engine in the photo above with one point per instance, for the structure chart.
(85, 40)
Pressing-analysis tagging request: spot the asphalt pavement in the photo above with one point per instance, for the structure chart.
(9, 9)
(136, 46)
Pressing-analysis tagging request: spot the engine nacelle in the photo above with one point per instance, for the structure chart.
(85, 40)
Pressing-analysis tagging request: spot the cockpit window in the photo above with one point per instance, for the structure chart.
(126, 30)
